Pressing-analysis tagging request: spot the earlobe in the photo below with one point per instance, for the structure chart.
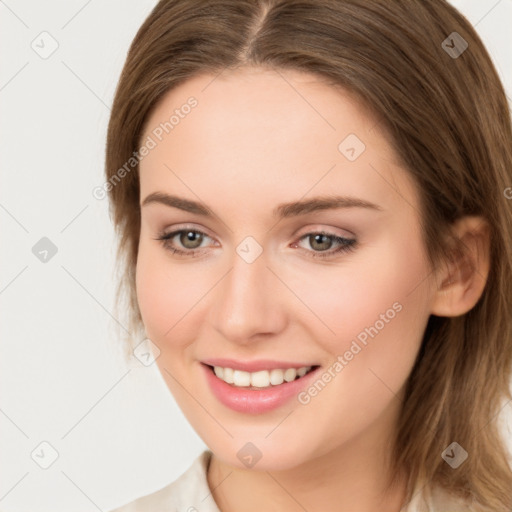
(460, 282)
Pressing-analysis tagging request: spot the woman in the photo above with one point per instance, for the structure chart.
(313, 218)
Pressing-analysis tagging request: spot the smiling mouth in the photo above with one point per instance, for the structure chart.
(262, 379)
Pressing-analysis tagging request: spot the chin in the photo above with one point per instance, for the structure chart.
(261, 454)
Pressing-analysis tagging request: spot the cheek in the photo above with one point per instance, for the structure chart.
(164, 293)
(376, 296)
(378, 321)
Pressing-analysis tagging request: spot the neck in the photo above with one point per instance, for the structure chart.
(353, 476)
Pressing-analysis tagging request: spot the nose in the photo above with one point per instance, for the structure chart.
(248, 303)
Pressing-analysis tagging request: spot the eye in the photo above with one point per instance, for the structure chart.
(189, 243)
(189, 239)
(321, 243)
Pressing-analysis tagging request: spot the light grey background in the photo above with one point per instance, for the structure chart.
(116, 428)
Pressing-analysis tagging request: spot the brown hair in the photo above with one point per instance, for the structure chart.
(450, 125)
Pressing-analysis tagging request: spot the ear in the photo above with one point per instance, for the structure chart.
(461, 280)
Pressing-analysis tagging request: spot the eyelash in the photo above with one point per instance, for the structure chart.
(347, 244)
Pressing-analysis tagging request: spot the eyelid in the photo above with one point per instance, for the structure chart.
(185, 227)
(345, 243)
(320, 228)
(299, 234)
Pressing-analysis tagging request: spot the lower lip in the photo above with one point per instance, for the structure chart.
(255, 401)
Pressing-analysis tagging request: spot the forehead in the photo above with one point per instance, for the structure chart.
(268, 132)
(262, 106)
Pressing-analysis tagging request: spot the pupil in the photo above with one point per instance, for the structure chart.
(191, 236)
(318, 238)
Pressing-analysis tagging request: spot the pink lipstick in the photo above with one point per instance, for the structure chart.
(250, 399)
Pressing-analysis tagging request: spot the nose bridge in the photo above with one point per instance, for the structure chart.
(246, 303)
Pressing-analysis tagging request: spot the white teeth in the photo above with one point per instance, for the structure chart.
(302, 371)
(241, 378)
(276, 377)
(260, 379)
(228, 375)
(290, 374)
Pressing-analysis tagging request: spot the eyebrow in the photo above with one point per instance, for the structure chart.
(284, 210)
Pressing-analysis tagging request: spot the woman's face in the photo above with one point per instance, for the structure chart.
(258, 287)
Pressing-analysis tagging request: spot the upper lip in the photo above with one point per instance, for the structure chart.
(254, 366)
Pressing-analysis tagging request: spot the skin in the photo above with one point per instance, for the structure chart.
(257, 139)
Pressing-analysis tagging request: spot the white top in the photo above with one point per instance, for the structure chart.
(190, 492)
